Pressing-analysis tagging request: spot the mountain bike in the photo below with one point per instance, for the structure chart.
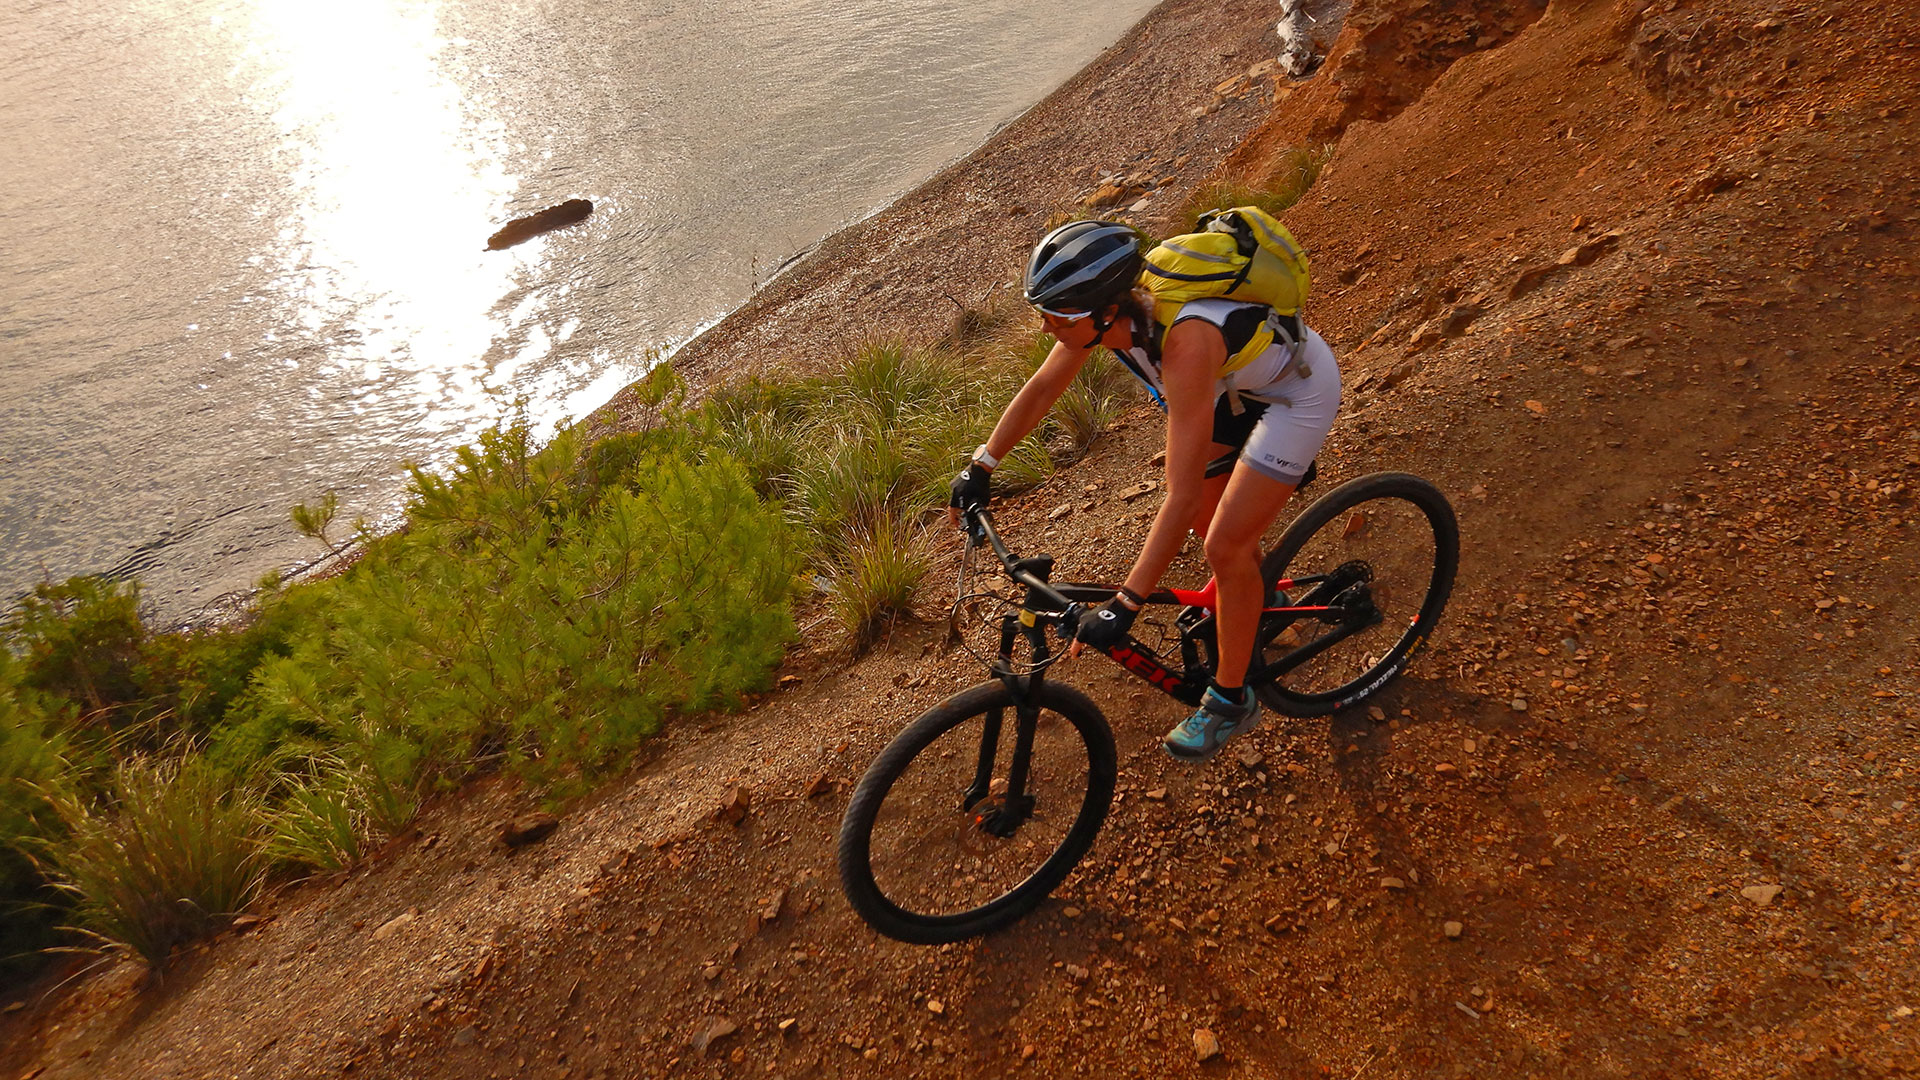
(966, 821)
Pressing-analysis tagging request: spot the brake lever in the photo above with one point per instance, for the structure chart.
(1068, 624)
(971, 525)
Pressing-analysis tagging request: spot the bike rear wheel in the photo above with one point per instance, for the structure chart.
(1381, 551)
(920, 855)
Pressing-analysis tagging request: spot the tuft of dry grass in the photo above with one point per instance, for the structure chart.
(1287, 184)
(174, 853)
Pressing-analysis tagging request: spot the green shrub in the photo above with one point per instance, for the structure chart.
(173, 852)
(80, 640)
(558, 643)
(33, 772)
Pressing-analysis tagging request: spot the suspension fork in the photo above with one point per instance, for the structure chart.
(1016, 804)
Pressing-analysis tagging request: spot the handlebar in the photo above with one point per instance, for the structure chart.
(978, 525)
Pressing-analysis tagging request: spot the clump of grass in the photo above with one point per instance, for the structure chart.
(1091, 404)
(1288, 182)
(878, 579)
(861, 456)
(173, 851)
(320, 821)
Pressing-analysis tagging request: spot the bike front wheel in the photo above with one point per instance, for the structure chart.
(1379, 555)
(976, 812)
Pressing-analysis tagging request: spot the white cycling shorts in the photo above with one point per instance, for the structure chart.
(1296, 411)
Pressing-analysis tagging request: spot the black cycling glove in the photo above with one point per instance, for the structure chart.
(1107, 625)
(970, 487)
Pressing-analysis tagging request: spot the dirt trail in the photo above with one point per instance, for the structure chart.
(1635, 285)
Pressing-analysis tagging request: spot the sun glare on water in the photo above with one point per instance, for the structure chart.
(399, 175)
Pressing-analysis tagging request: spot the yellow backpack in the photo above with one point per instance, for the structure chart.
(1242, 254)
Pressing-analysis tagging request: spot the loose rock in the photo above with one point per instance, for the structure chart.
(733, 809)
(391, 926)
(528, 829)
(711, 1031)
(1762, 894)
(1206, 1046)
(1453, 929)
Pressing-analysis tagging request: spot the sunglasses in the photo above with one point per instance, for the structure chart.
(1064, 316)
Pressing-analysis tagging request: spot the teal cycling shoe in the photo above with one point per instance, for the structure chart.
(1218, 719)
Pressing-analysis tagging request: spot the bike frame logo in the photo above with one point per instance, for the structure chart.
(1143, 664)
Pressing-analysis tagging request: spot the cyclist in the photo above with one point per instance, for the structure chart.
(1240, 439)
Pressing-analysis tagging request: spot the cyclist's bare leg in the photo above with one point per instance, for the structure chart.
(1247, 508)
(1211, 490)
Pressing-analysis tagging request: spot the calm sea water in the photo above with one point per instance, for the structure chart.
(241, 241)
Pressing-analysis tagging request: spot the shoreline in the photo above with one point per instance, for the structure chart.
(973, 220)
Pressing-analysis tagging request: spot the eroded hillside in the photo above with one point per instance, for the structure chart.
(1634, 284)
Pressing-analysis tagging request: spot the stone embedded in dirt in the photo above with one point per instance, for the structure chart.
(1445, 768)
(466, 1036)
(1377, 714)
(1453, 929)
(391, 926)
(936, 1006)
(1134, 491)
(1519, 704)
(774, 905)
(1157, 794)
(734, 808)
(711, 1031)
(788, 1025)
(14, 1007)
(1206, 1045)
(528, 829)
(1249, 758)
(1059, 512)
(1392, 883)
(1536, 408)
(243, 923)
(1762, 894)
(788, 681)
(819, 786)
(1535, 276)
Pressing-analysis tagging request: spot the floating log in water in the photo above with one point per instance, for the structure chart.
(521, 230)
